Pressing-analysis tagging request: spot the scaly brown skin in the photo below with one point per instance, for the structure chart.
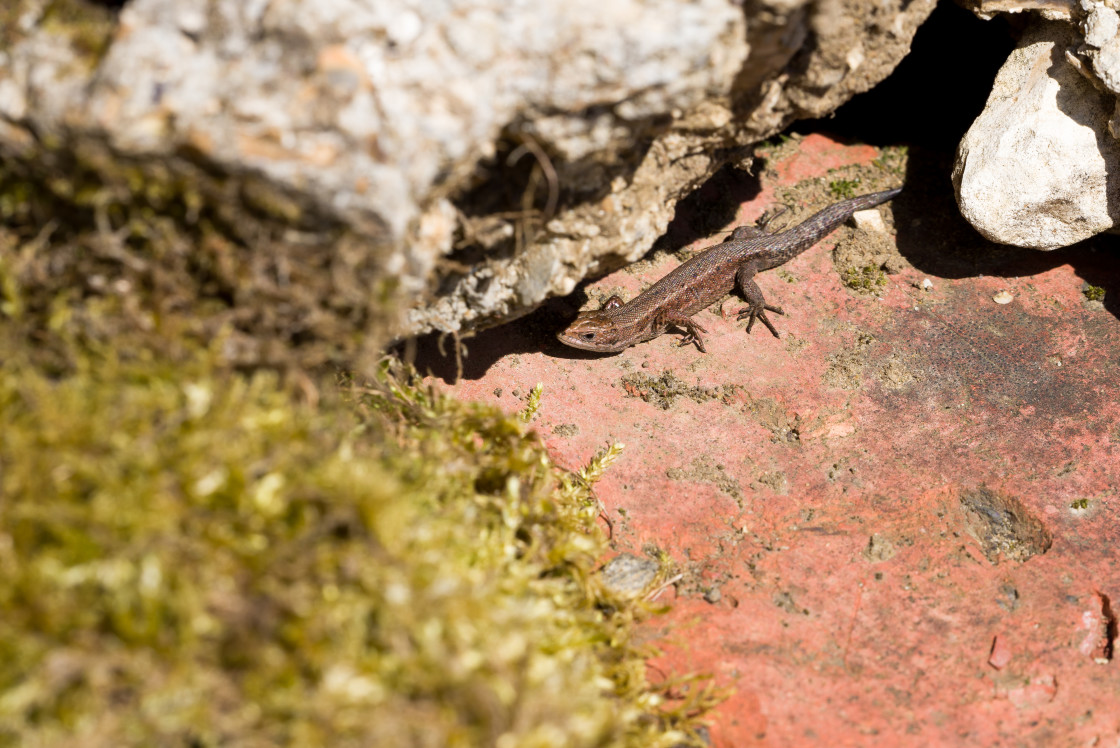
(706, 278)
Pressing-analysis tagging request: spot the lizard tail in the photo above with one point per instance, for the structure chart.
(805, 235)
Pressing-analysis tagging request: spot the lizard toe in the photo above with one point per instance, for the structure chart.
(758, 314)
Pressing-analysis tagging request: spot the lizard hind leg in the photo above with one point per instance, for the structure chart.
(745, 232)
(768, 217)
(761, 226)
(756, 307)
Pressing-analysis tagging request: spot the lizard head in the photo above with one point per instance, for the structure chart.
(595, 331)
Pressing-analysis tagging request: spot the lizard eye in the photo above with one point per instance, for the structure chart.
(588, 336)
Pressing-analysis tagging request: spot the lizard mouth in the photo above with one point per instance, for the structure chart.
(575, 341)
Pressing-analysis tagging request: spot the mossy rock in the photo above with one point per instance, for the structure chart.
(195, 556)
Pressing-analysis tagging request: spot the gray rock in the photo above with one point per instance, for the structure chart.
(627, 574)
(1101, 26)
(483, 156)
(1033, 170)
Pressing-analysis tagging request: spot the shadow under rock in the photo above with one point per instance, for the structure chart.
(533, 333)
(929, 107)
(936, 239)
(931, 98)
(709, 209)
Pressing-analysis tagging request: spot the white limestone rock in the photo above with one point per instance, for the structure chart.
(1101, 25)
(1033, 170)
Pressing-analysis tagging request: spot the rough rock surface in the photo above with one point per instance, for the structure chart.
(1033, 170)
(485, 155)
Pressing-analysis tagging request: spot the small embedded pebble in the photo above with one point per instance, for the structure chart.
(869, 220)
(713, 595)
(627, 574)
(1003, 297)
(1000, 653)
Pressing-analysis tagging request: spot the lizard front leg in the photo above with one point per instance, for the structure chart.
(756, 303)
(692, 329)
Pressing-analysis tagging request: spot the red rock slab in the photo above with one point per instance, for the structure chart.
(862, 507)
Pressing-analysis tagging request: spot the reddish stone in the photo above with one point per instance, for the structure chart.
(1038, 692)
(867, 491)
(1097, 629)
(817, 154)
(1000, 654)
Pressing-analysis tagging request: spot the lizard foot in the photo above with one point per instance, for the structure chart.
(752, 313)
(767, 218)
(693, 336)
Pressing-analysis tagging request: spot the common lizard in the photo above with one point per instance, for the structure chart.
(706, 278)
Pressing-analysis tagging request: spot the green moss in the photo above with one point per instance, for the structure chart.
(867, 279)
(843, 188)
(88, 26)
(156, 251)
(664, 390)
(270, 202)
(767, 148)
(194, 556)
(11, 300)
(532, 404)
(893, 160)
(1093, 293)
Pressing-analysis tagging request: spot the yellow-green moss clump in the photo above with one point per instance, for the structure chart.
(169, 255)
(866, 279)
(193, 557)
(1093, 293)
